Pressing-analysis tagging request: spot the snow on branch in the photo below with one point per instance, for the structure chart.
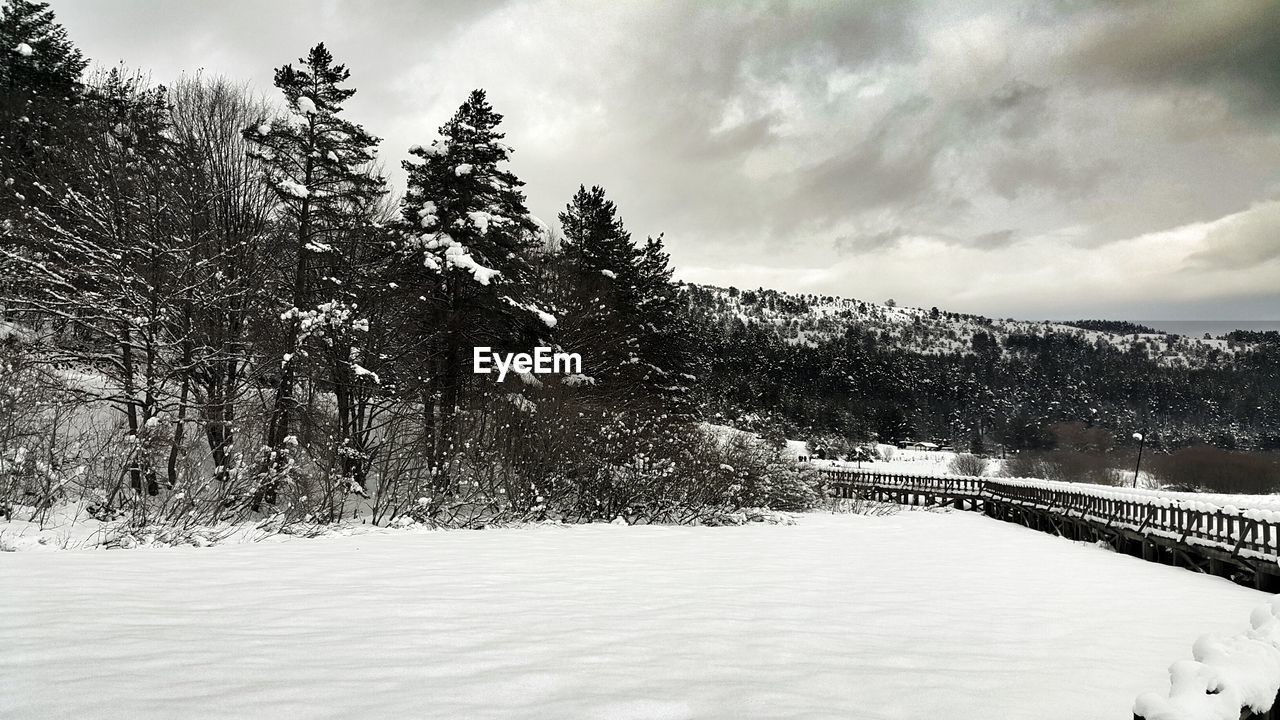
(547, 318)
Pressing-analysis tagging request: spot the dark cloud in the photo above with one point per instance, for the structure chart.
(892, 165)
(1020, 170)
(870, 242)
(995, 240)
(1231, 46)
(1018, 109)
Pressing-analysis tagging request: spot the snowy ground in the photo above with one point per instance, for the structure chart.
(918, 614)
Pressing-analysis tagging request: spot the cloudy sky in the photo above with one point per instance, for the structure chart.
(1026, 159)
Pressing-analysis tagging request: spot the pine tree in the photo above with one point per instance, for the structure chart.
(620, 304)
(596, 241)
(598, 290)
(40, 61)
(39, 75)
(318, 164)
(620, 301)
(666, 327)
(39, 92)
(467, 261)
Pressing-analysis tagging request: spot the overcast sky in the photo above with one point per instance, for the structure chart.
(1025, 159)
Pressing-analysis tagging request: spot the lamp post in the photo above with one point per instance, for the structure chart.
(1141, 441)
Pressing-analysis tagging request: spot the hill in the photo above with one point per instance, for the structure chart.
(812, 364)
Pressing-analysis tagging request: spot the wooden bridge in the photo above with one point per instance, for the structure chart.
(1176, 529)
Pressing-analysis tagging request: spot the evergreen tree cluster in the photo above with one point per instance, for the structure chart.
(228, 287)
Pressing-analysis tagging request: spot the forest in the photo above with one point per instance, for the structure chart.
(214, 306)
(977, 384)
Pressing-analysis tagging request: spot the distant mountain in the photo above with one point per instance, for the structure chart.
(807, 319)
(810, 364)
(1115, 327)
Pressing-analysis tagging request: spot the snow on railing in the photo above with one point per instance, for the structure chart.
(1265, 508)
(1255, 507)
(1229, 678)
(1243, 526)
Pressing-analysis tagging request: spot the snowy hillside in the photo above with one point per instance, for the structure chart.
(807, 319)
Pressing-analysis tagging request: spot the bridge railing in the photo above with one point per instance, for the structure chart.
(1250, 532)
(950, 486)
(1249, 529)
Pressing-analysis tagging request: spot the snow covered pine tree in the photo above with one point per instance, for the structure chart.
(320, 166)
(40, 75)
(620, 302)
(466, 262)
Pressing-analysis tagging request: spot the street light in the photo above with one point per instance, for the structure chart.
(1141, 440)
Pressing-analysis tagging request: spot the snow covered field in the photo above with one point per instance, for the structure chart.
(919, 614)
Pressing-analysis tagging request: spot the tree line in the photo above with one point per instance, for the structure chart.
(214, 306)
(984, 396)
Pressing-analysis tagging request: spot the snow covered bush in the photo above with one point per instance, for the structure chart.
(1228, 675)
(39, 434)
(764, 477)
(967, 464)
(829, 447)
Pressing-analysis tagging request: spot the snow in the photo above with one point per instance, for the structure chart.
(917, 614)
(24, 50)
(361, 371)
(306, 105)
(15, 332)
(456, 255)
(1227, 674)
(547, 318)
(900, 461)
(463, 169)
(290, 187)
(481, 220)
(435, 148)
(522, 403)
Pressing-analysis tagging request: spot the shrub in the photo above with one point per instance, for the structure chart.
(1024, 464)
(765, 477)
(966, 464)
(1216, 470)
(1068, 466)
